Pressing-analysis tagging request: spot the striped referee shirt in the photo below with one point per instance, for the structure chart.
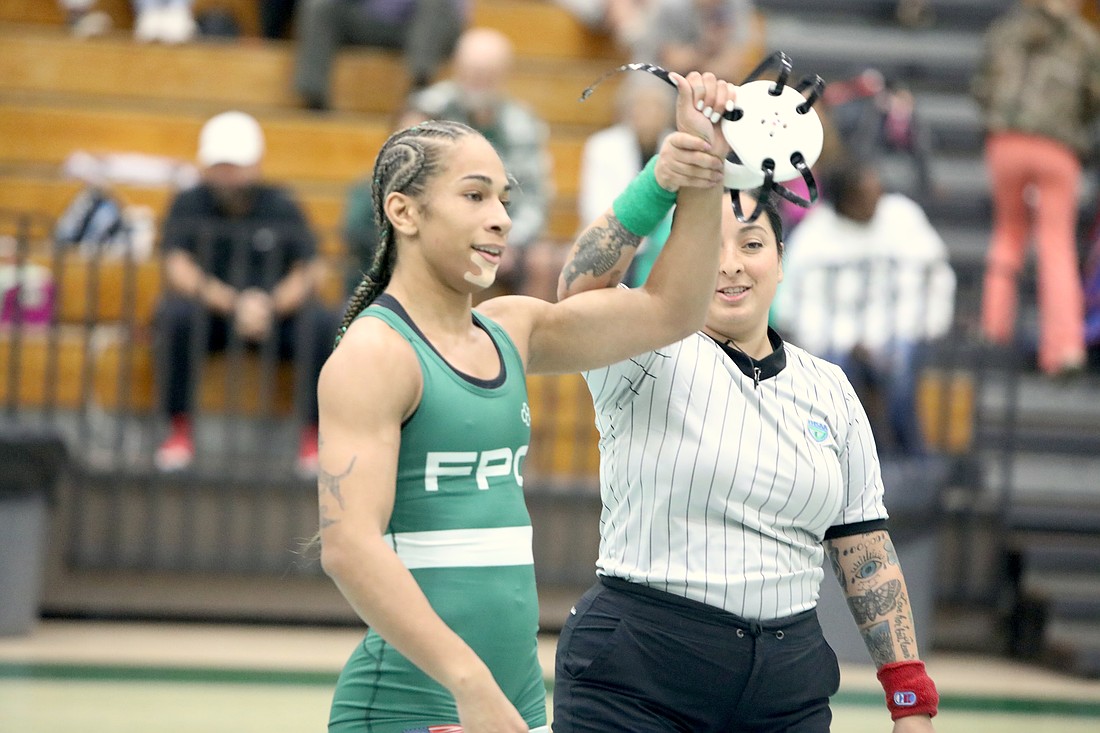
(721, 475)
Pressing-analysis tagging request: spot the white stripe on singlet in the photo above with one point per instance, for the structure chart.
(463, 548)
(720, 490)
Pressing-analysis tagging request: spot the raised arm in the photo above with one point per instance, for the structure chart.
(605, 326)
(867, 567)
(363, 398)
(603, 252)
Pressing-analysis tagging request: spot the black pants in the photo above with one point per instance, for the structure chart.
(632, 659)
(427, 39)
(305, 338)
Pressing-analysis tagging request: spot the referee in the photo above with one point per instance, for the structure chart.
(731, 463)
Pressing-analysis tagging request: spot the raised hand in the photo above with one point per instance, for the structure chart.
(701, 101)
(685, 161)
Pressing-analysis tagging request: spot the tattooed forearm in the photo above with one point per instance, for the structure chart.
(598, 251)
(874, 603)
(838, 571)
(870, 575)
(879, 643)
(904, 638)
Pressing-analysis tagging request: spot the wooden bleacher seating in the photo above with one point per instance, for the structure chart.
(214, 393)
(536, 28)
(298, 149)
(257, 76)
(566, 446)
(53, 369)
(154, 99)
(323, 205)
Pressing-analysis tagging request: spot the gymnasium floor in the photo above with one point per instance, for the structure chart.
(96, 677)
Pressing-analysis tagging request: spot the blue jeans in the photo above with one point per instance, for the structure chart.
(892, 375)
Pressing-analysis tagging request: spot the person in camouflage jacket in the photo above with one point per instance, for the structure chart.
(1038, 87)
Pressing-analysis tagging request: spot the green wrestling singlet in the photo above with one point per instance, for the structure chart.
(461, 527)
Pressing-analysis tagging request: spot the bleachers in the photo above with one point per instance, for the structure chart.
(59, 95)
(153, 99)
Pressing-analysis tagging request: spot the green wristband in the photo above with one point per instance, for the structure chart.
(644, 204)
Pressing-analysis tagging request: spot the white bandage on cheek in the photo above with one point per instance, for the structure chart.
(484, 275)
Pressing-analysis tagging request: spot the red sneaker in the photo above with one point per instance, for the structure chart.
(307, 453)
(178, 450)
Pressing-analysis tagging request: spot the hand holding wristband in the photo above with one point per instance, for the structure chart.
(644, 204)
(909, 689)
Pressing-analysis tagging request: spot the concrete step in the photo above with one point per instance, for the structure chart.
(1073, 647)
(927, 60)
(958, 14)
(1055, 511)
(954, 120)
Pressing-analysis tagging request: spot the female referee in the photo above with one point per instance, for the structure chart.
(731, 463)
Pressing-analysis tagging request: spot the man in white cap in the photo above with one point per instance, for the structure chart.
(241, 252)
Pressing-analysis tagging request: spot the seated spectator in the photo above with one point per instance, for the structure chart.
(477, 96)
(360, 225)
(424, 30)
(867, 285)
(698, 35)
(168, 21)
(84, 18)
(613, 156)
(240, 266)
(623, 20)
(876, 120)
(276, 17)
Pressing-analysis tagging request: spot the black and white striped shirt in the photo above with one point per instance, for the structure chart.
(720, 475)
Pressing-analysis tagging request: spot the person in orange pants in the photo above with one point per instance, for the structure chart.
(1038, 86)
(1016, 162)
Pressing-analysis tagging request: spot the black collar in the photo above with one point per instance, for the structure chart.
(757, 369)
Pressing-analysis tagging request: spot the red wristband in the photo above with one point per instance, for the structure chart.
(909, 689)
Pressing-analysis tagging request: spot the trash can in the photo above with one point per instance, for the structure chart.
(913, 488)
(30, 465)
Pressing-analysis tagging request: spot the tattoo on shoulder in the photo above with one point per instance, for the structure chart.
(599, 249)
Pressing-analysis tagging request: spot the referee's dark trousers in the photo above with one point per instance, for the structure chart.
(632, 659)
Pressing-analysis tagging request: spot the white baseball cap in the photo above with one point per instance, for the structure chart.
(231, 137)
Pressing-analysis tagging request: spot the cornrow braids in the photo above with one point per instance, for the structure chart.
(408, 160)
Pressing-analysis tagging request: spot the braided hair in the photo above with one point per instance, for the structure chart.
(408, 160)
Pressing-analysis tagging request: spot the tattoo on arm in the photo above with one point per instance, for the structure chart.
(870, 575)
(904, 638)
(879, 643)
(875, 602)
(599, 249)
(328, 484)
(838, 571)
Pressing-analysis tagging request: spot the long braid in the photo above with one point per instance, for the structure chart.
(407, 161)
